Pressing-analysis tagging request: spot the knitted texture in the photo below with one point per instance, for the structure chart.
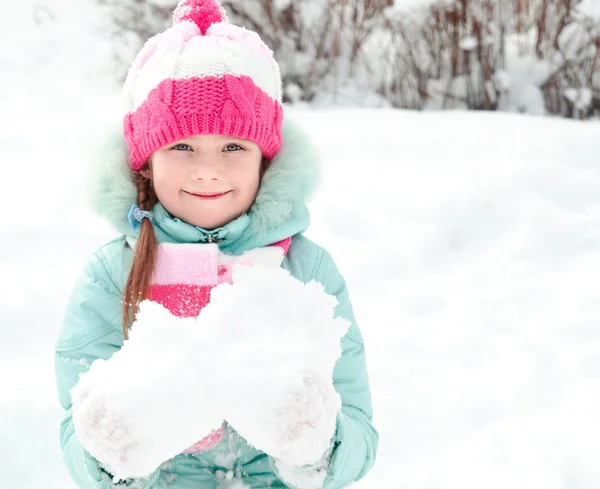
(226, 105)
(203, 75)
(183, 277)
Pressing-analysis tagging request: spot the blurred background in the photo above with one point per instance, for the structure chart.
(459, 145)
(529, 56)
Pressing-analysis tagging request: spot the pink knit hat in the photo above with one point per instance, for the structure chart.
(203, 75)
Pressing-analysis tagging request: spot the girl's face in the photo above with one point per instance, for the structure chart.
(206, 180)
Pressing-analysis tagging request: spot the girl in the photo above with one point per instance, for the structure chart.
(210, 179)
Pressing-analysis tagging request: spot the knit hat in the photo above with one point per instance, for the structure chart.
(203, 75)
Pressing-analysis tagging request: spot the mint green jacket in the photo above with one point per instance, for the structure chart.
(92, 326)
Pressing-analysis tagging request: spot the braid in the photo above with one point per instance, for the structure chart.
(146, 197)
(140, 275)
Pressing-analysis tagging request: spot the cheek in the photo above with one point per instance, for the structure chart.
(251, 185)
(165, 181)
(250, 175)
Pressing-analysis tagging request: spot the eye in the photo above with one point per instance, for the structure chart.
(181, 147)
(233, 147)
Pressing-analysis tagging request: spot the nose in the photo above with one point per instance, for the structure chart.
(205, 167)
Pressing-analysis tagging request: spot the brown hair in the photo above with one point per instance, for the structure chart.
(140, 275)
(139, 280)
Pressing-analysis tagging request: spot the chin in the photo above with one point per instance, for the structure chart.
(210, 224)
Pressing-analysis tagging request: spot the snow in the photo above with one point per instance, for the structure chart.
(282, 5)
(281, 411)
(312, 12)
(502, 80)
(581, 98)
(479, 257)
(410, 6)
(306, 476)
(520, 83)
(468, 43)
(470, 243)
(589, 8)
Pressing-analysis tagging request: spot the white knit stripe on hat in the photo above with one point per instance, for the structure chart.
(202, 56)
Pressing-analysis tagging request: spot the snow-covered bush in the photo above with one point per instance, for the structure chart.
(533, 56)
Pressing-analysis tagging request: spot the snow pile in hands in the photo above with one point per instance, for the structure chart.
(270, 339)
(129, 411)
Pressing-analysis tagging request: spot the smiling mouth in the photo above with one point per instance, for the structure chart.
(208, 195)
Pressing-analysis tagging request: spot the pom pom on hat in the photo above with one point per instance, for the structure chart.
(203, 13)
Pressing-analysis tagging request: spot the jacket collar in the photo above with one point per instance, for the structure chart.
(169, 228)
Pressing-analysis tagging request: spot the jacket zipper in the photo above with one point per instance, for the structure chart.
(212, 239)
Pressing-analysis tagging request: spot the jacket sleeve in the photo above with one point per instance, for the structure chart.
(355, 443)
(91, 329)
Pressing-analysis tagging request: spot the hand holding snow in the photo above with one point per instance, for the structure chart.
(293, 422)
(269, 338)
(287, 342)
(129, 412)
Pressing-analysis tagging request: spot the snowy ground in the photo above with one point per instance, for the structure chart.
(470, 243)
